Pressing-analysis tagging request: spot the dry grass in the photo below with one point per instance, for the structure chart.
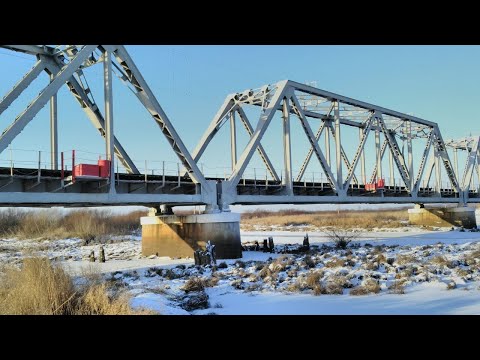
(404, 259)
(397, 287)
(335, 262)
(440, 261)
(312, 280)
(462, 272)
(349, 219)
(381, 259)
(369, 286)
(332, 288)
(473, 257)
(51, 224)
(41, 288)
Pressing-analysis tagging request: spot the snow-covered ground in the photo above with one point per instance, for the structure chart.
(425, 262)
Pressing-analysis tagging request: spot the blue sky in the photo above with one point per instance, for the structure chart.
(437, 83)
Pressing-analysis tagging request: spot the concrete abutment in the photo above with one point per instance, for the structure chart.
(442, 217)
(180, 236)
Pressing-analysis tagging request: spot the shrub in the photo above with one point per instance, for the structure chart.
(341, 237)
(195, 300)
(309, 262)
(368, 286)
(194, 284)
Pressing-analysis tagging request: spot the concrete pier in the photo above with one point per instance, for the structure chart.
(450, 216)
(180, 236)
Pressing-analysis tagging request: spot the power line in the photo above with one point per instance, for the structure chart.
(15, 55)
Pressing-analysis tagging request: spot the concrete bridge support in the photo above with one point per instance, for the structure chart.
(452, 216)
(180, 236)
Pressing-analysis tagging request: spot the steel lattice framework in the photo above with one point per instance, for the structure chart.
(345, 181)
(334, 112)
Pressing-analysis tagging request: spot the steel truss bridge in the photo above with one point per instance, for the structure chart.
(344, 176)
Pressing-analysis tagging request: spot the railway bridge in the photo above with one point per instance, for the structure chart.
(362, 153)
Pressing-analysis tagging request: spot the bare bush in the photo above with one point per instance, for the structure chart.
(341, 237)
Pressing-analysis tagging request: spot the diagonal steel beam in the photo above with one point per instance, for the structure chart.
(397, 155)
(149, 101)
(257, 135)
(429, 170)
(94, 115)
(470, 165)
(382, 153)
(261, 151)
(21, 85)
(423, 162)
(31, 49)
(39, 102)
(318, 152)
(213, 128)
(361, 146)
(442, 151)
(317, 137)
(343, 153)
(307, 159)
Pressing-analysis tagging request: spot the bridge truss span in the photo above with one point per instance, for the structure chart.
(323, 117)
(362, 153)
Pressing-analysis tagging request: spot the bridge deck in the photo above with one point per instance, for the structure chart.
(27, 188)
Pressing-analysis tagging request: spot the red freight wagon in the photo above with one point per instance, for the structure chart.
(104, 168)
(85, 170)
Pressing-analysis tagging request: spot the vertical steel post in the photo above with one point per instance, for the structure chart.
(11, 161)
(392, 169)
(146, 171)
(338, 145)
(455, 163)
(233, 140)
(410, 155)
(287, 148)
(109, 134)
(73, 166)
(438, 171)
(39, 174)
(327, 144)
(362, 157)
(378, 151)
(62, 173)
(163, 173)
(178, 170)
(53, 130)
